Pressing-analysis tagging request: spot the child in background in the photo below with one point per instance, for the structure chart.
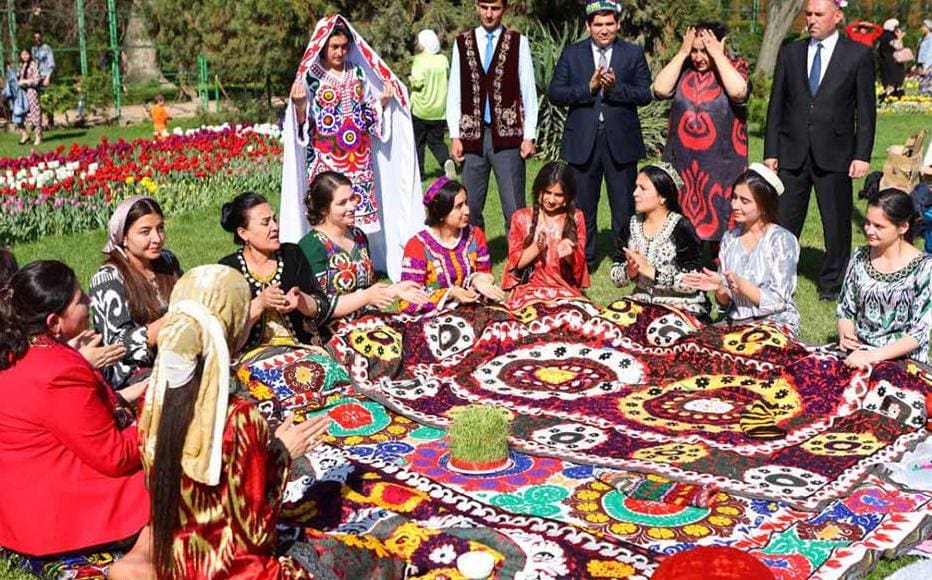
(160, 118)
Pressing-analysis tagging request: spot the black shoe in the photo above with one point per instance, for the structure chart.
(828, 295)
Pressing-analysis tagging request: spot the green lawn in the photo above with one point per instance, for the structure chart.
(197, 238)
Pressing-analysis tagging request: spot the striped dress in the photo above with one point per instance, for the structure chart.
(887, 307)
(438, 267)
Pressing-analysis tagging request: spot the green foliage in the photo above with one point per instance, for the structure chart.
(757, 106)
(246, 40)
(547, 44)
(479, 433)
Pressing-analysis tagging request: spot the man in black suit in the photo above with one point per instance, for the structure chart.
(820, 131)
(603, 80)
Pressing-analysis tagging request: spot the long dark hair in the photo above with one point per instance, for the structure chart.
(319, 195)
(8, 266)
(166, 473)
(34, 292)
(764, 194)
(665, 186)
(897, 206)
(555, 172)
(143, 299)
(235, 213)
(442, 204)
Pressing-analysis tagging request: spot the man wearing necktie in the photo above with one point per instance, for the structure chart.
(603, 80)
(492, 110)
(820, 131)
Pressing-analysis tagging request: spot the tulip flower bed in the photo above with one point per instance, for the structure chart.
(74, 189)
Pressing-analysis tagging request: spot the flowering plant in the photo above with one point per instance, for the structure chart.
(841, 3)
(73, 189)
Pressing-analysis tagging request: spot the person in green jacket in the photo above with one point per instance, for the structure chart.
(429, 76)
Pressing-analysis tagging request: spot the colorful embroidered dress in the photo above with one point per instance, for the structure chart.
(887, 307)
(342, 118)
(549, 277)
(338, 271)
(228, 530)
(438, 268)
(708, 146)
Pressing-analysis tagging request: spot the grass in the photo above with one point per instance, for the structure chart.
(479, 433)
(66, 136)
(196, 238)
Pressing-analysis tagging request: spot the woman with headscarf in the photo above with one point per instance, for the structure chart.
(429, 77)
(130, 291)
(348, 113)
(892, 71)
(215, 472)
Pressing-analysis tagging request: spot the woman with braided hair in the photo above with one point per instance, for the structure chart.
(546, 242)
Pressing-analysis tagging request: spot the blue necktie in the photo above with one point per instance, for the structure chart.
(486, 64)
(816, 71)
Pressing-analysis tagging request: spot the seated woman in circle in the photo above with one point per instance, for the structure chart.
(449, 258)
(338, 251)
(757, 259)
(288, 304)
(546, 242)
(885, 309)
(70, 472)
(129, 293)
(658, 246)
(216, 472)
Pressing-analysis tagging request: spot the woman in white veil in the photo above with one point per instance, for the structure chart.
(348, 112)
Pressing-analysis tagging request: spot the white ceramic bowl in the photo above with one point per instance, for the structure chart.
(475, 565)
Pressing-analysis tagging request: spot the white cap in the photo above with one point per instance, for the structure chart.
(891, 24)
(428, 40)
(768, 175)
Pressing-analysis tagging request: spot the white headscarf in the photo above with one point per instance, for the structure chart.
(428, 40)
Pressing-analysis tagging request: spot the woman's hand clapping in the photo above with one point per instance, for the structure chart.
(300, 438)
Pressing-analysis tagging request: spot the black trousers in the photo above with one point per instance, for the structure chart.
(619, 181)
(834, 196)
(430, 133)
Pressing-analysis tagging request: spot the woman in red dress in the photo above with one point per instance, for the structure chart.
(216, 472)
(70, 475)
(546, 242)
(708, 137)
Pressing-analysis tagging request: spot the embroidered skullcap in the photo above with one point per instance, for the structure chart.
(670, 171)
(434, 189)
(116, 227)
(891, 24)
(207, 313)
(428, 40)
(594, 6)
(768, 175)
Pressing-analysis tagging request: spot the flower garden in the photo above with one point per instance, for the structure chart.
(72, 189)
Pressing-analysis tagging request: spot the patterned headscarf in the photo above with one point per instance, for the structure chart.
(116, 227)
(207, 313)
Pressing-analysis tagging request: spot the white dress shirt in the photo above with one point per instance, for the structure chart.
(828, 47)
(595, 55)
(526, 79)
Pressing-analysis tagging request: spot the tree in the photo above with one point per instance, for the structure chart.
(780, 16)
(142, 61)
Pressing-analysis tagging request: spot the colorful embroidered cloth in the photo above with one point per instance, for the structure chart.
(634, 387)
(659, 489)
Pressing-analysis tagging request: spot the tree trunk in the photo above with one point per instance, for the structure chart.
(142, 63)
(780, 16)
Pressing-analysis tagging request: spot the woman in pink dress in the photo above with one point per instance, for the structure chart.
(546, 243)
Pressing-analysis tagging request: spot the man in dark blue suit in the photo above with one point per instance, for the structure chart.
(603, 80)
